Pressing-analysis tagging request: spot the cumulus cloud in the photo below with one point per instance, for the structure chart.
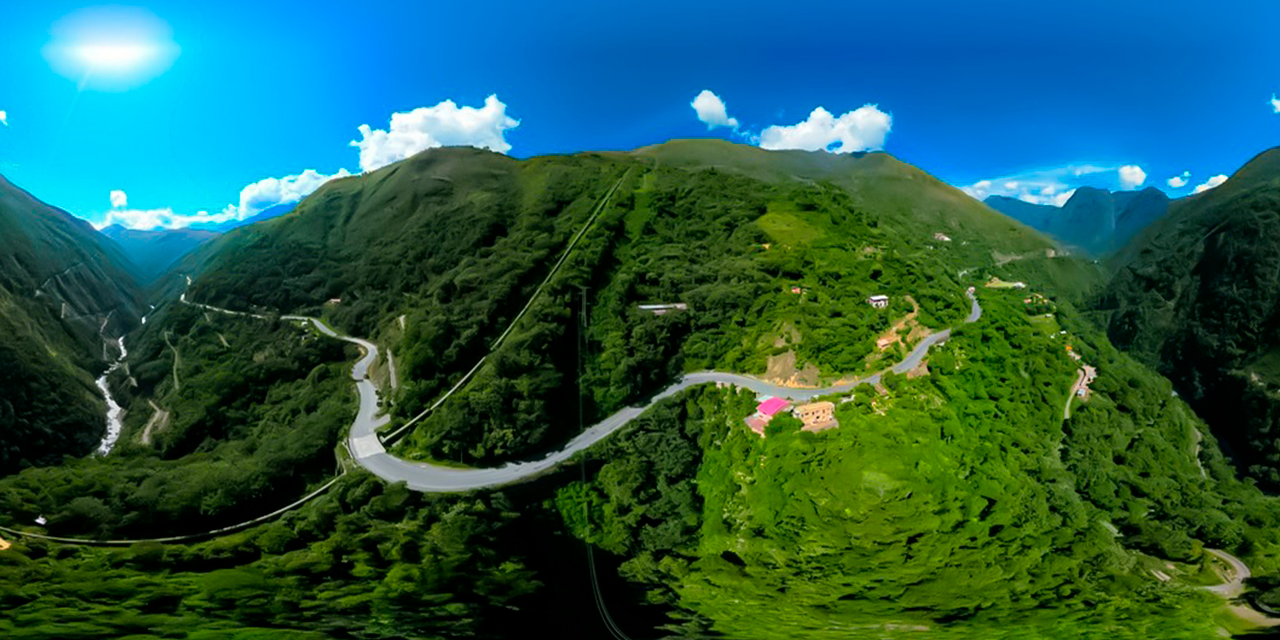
(410, 132)
(862, 129)
(1179, 181)
(254, 199)
(4, 118)
(1131, 176)
(269, 192)
(426, 127)
(1210, 183)
(711, 110)
(1275, 106)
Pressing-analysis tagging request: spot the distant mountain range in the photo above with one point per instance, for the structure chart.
(274, 211)
(1096, 220)
(153, 252)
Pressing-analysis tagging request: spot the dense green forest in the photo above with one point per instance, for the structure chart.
(64, 289)
(238, 428)
(1195, 297)
(960, 503)
(957, 502)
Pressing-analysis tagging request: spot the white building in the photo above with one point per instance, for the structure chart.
(878, 301)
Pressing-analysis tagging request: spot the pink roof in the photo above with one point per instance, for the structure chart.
(772, 406)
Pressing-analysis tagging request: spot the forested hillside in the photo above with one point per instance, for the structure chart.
(959, 504)
(64, 289)
(454, 241)
(1196, 297)
(957, 501)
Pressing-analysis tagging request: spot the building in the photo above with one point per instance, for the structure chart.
(663, 309)
(817, 416)
(765, 411)
(878, 301)
(797, 290)
(941, 237)
(771, 406)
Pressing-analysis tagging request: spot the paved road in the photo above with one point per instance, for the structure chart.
(1234, 586)
(420, 476)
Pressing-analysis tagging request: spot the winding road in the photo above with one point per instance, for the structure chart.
(368, 451)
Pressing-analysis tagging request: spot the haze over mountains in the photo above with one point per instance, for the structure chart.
(1096, 220)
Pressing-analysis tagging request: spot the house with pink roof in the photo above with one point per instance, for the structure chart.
(772, 406)
(765, 411)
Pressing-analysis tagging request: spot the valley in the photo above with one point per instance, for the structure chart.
(542, 403)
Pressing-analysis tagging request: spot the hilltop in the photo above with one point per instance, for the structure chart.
(454, 240)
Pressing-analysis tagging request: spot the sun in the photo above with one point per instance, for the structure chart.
(119, 57)
(111, 48)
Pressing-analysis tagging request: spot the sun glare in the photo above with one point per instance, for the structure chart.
(113, 56)
(111, 48)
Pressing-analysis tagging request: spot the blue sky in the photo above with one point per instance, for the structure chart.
(1029, 94)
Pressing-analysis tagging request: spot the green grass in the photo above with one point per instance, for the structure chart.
(785, 224)
(1047, 324)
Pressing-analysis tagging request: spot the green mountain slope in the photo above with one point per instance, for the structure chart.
(63, 289)
(1196, 297)
(956, 502)
(1096, 220)
(153, 252)
(456, 240)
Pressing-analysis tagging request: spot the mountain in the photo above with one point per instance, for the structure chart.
(273, 211)
(974, 496)
(1036, 216)
(64, 290)
(1095, 220)
(1196, 296)
(153, 252)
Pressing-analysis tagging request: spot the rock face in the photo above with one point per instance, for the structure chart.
(1096, 220)
(63, 289)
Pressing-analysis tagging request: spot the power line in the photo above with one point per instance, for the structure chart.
(614, 629)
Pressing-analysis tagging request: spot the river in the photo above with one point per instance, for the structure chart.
(115, 413)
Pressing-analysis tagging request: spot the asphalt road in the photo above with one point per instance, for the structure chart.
(1239, 573)
(369, 453)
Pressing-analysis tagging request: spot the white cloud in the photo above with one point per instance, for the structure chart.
(1056, 185)
(254, 199)
(711, 110)
(269, 192)
(1210, 183)
(4, 118)
(1178, 182)
(1131, 176)
(1275, 105)
(862, 129)
(426, 127)
(411, 132)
